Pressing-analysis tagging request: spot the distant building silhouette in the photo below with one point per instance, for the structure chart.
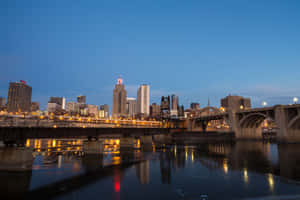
(155, 111)
(195, 106)
(235, 103)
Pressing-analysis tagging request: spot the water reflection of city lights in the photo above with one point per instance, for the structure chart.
(186, 153)
(271, 181)
(27, 143)
(225, 166)
(175, 150)
(246, 179)
(192, 156)
(53, 143)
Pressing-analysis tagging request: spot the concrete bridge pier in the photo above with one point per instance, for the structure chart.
(288, 131)
(16, 159)
(126, 144)
(146, 143)
(249, 133)
(93, 147)
(162, 140)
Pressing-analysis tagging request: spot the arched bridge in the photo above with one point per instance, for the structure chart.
(247, 123)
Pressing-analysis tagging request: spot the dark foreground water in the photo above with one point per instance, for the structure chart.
(243, 170)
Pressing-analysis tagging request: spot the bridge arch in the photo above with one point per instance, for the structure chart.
(209, 109)
(252, 120)
(294, 123)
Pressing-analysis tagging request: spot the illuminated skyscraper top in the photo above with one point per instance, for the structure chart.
(120, 81)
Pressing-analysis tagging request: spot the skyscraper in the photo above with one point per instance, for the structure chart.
(19, 97)
(119, 99)
(131, 107)
(174, 102)
(174, 105)
(143, 100)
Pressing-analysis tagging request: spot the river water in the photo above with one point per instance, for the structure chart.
(241, 170)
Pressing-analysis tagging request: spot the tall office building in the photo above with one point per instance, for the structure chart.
(105, 109)
(174, 105)
(174, 102)
(131, 107)
(143, 100)
(81, 99)
(119, 99)
(19, 97)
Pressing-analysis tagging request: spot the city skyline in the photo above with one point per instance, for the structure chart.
(197, 51)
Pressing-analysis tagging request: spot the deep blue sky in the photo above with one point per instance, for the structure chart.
(196, 49)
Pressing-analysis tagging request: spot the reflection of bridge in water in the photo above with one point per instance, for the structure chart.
(95, 168)
(252, 156)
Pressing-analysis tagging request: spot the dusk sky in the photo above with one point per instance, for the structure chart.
(195, 49)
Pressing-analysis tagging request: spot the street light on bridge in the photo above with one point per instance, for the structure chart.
(264, 103)
(295, 100)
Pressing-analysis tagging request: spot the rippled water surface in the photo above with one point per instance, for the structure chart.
(62, 170)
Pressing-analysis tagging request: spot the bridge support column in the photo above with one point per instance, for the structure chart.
(146, 143)
(16, 159)
(249, 133)
(126, 144)
(191, 124)
(285, 134)
(93, 147)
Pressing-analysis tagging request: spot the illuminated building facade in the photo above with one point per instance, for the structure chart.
(19, 97)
